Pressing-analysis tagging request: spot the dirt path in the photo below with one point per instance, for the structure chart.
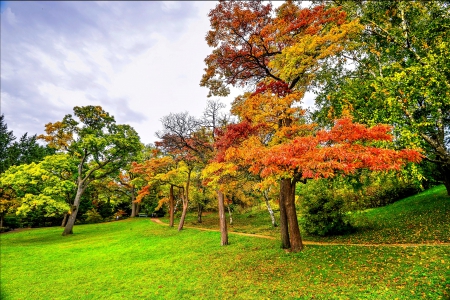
(158, 221)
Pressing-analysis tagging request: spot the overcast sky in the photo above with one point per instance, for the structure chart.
(138, 60)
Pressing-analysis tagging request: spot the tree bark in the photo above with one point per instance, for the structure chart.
(171, 207)
(222, 220)
(269, 208)
(64, 221)
(288, 193)
(446, 172)
(230, 215)
(185, 201)
(1, 220)
(73, 211)
(285, 241)
(133, 204)
(199, 212)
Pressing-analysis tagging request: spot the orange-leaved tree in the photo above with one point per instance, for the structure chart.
(276, 53)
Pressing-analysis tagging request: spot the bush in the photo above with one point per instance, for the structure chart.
(92, 216)
(11, 221)
(323, 214)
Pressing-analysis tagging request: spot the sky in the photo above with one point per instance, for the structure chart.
(139, 60)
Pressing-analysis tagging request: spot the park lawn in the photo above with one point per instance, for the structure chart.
(138, 259)
(422, 218)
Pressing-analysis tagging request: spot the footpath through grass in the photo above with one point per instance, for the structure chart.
(138, 259)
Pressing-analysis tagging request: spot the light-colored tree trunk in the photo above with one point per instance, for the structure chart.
(73, 211)
(230, 215)
(171, 207)
(269, 208)
(222, 219)
(185, 201)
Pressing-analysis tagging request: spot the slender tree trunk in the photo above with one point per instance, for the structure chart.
(133, 204)
(185, 202)
(138, 208)
(73, 211)
(1, 220)
(285, 241)
(222, 219)
(64, 221)
(171, 207)
(230, 214)
(447, 179)
(288, 193)
(269, 208)
(199, 212)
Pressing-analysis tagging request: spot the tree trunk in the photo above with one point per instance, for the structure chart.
(199, 212)
(269, 208)
(138, 208)
(1, 220)
(171, 207)
(285, 242)
(133, 204)
(73, 212)
(446, 173)
(185, 201)
(222, 219)
(64, 221)
(230, 214)
(288, 193)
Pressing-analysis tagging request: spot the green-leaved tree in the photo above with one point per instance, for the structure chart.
(100, 146)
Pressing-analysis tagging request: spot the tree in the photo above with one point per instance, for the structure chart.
(343, 149)
(100, 146)
(13, 153)
(254, 47)
(400, 75)
(160, 170)
(44, 189)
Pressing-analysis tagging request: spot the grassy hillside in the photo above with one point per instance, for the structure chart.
(423, 218)
(138, 259)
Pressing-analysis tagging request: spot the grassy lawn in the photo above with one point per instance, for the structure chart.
(138, 259)
(422, 218)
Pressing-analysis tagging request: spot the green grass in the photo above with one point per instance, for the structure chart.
(423, 218)
(137, 259)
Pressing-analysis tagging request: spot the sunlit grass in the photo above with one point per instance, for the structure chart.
(137, 259)
(423, 218)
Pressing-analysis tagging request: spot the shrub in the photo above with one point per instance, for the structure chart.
(323, 214)
(92, 216)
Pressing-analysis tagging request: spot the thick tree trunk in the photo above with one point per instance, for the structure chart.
(230, 215)
(64, 221)
(185, 202)
(73, 212)
(285, 241)
(133, 204)
(288, 193)
(269, 208)
(199, 212)
(222, 219)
